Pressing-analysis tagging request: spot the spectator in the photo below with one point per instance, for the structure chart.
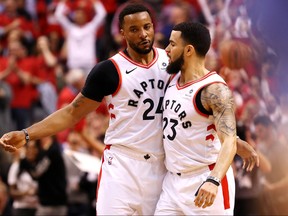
(11, 19)
(50, 173)
(171, 15)
(5, 109)
(18, 71)
(78, 199)
(46, 62)
(75, 80)
(23, 188)
(81, 34)
(248, 186)
(276, 181)
(5, 207)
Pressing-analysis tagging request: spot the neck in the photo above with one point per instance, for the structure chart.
(193, 70)
(144, 59)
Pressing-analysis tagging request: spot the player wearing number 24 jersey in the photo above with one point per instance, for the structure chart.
(133, 83)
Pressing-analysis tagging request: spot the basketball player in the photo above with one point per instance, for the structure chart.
(199, 130)
(133, 83)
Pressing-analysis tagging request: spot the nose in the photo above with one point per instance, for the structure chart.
(143, 33)
(167, 49)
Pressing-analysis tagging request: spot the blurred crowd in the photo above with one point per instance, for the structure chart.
(48, 47)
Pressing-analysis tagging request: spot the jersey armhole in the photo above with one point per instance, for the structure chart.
(199, 106)
(120, 77)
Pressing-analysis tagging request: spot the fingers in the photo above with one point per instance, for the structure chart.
(257, 160)
(4, 142)
(249, 163)
(204, 200)
(206, 195)
(9, 148)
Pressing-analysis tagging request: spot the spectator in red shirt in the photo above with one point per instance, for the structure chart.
(10, 20)
(18, 71)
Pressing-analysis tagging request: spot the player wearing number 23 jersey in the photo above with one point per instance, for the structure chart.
(191, 149)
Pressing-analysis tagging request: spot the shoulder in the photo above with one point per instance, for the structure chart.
(104, 65)
(216, 95)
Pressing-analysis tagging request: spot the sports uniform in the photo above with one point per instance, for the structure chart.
(133, 167)
(191, 147)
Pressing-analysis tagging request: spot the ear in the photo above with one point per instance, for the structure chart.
(189, 49)
(122, 33)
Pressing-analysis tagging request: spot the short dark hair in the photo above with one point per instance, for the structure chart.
(132, 8)
(263, 120)
(196, 34)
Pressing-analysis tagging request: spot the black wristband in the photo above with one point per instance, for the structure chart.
(27, 138)
(213, 182)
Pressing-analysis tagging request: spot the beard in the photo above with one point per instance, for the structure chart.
(175, 67)
(139, 50)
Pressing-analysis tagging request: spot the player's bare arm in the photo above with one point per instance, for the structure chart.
(218, 99)
(244, 150)
(54, 123)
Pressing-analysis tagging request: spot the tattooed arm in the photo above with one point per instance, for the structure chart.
(54, 123)
(218, 99)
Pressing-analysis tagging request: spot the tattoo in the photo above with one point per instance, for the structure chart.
(219, 99)
(78, 101)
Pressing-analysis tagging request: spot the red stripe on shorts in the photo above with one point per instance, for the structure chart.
(225, 190)
(100, 172)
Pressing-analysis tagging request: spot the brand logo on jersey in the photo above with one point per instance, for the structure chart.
(129, 71)
(171, 85)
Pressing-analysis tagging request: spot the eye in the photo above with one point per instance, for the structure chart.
(134, 30)
(147, 27)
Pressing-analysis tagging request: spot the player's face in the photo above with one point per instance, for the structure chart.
(175, 52)
(138, 32)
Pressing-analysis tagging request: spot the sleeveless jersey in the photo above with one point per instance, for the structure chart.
(190, 138)
(136, 107)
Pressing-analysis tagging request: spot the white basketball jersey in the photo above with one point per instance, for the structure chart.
(136, 107)
(190, 138)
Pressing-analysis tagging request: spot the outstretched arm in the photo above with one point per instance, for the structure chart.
(54, 123)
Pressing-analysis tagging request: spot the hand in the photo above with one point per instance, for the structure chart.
(206, 195)
(15, 24)
(248, 154)
(43, 43)
(13, 141)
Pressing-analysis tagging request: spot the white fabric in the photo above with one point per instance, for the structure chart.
(128, 183)
(177, 197)
(136, 120)
(190, 137)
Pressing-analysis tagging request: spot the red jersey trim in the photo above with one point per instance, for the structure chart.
(138, 64)
(120, 77)
(194, 81)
